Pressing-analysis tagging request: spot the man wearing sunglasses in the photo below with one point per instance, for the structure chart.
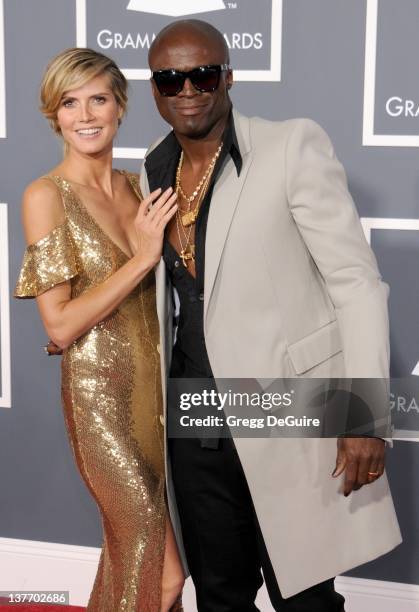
(274, 279)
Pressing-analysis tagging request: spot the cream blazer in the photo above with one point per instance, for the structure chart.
(292, 289)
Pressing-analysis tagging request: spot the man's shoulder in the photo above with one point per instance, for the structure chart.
(284, 126)
(258, 128)
(270, 134)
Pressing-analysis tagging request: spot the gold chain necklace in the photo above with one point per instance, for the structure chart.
(187, 249)
(189, 217)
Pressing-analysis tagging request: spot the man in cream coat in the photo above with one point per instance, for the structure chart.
(275, 279)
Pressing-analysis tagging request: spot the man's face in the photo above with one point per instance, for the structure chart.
(191, 113)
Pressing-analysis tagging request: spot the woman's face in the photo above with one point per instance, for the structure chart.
(88, 117)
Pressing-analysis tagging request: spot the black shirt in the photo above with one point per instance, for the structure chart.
(190, 358)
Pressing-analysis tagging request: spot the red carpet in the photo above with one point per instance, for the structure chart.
(5, 607)
(38, 608)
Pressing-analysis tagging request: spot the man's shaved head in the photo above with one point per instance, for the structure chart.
(183, 46)
(192, 30)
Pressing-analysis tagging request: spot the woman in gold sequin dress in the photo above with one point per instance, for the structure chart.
(93, 243)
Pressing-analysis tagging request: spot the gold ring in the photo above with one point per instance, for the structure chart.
(373, 473)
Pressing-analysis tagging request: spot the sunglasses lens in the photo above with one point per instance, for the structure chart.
(168, 83)
(206, 78)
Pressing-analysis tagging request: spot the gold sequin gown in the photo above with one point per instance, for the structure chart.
(111, 396)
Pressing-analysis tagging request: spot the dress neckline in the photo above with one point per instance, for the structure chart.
(79, 201)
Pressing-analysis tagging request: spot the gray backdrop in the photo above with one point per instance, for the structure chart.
(322, 77)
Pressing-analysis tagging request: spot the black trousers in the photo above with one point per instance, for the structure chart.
(223, 542)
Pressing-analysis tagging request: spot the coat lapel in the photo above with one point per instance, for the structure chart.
(160, 164)
(162, 314)
(224, 201)
(148, 184)
(160, 169)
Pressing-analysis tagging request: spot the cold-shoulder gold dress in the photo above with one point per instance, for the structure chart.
(111, 396)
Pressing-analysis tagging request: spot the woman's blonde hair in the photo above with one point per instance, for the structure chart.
(73, 68)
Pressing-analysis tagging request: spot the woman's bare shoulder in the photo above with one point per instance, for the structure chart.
(42, 208)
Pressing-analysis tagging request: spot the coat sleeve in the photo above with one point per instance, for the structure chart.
(327, 219)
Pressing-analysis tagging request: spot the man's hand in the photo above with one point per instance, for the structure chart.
(362, 460)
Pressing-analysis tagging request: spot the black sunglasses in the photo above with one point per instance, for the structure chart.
(204, 78)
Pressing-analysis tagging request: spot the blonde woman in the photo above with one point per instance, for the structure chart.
(92, 244)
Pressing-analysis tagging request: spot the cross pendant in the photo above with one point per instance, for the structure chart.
(187, 255)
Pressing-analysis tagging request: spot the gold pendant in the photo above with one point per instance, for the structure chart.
(189, 218)
(187, 254)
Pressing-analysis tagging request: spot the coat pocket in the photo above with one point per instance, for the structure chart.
(315, 348)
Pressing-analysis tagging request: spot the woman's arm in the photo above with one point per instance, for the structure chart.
(66, 319)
